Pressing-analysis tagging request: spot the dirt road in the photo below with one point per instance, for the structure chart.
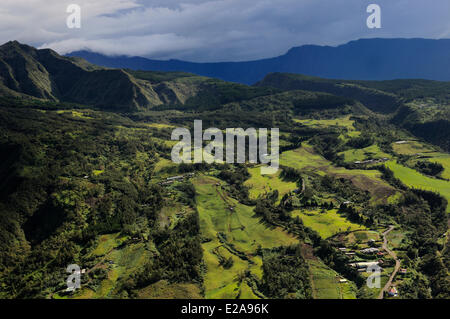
(397, 262)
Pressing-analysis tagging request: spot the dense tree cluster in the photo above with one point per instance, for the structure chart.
(286, 274)
(429, 168)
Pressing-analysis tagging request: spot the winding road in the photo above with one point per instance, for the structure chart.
(397, 262)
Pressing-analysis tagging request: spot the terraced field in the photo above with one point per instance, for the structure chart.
(234, 233)
(262, 184)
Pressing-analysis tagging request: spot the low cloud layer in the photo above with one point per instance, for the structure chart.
(214, 30)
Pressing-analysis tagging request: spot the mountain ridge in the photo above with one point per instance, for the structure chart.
(363, 59)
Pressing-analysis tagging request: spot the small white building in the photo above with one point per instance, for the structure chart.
(363, 265)
(371, 250)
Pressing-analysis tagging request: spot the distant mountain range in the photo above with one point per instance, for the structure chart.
(365, 59)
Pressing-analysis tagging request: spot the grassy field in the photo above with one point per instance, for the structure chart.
(395, 238)
(106, 243)
(305, 159)
(412, 178)
(368, 180)
(373, 293)
(118, 261)
(162, 164)
(165, 290)
(371, 152)
(159, 125)
(243, 233)
(342, 123)
(444, 160)
(168, 215)
(326, 224)
(363, 236)
(410, 148)
(326, 285)
(357, 237)
(262, 184)
(441, 158)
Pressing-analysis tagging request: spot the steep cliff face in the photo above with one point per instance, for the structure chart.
(44, 74)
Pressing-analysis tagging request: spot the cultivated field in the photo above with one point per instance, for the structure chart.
(412, 178)
(234, 233)
(263, 184)
(328, 223)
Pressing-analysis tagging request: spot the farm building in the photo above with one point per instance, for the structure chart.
(393, 292)
(350, 254)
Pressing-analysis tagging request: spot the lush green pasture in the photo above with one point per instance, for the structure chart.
(118, 261)
(368, 180)
(165, 290)
(360, 237)
(243, 233)
(159, 125)
(410, 148)
(326, 285)
(328, 223)
(342, 122)
(162, 164)
(412, 178)
(76, 113)
(106, 243)
(363, 236)
(262, 184)
(444, 160)
(373, 293)
(441, 158)
(305, 159)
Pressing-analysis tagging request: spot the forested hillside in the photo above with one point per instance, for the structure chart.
(86, 178)
(420, 106)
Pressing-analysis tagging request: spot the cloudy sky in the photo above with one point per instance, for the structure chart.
(214, 30)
